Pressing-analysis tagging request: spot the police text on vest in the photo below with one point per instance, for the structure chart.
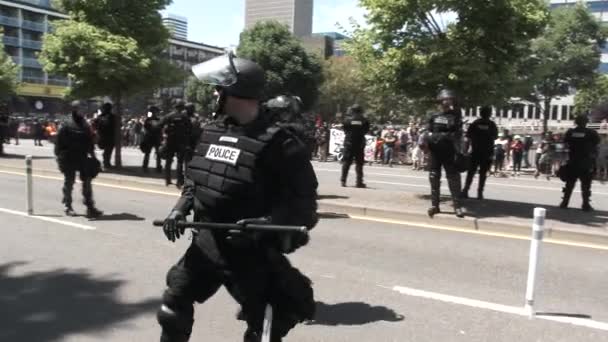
(225, 154)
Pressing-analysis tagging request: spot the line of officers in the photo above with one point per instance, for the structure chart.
(444, 142)
(174, 136)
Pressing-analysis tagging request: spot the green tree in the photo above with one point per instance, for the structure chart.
(408, 47)
(592, 96)
(290, 70)
(201, 94)
(110, 47)
(343, 86)
(9, 72)
(566, 56)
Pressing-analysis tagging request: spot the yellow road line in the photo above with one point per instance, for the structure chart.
(477, 232)
(366, 218)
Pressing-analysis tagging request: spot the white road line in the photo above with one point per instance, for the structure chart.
(47, 219)
(426, 178)
(478, 304)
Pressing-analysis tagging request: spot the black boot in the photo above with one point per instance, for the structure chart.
(566, 199)
(69, 211)
(361, 185)
(480, 195)
(93, 212)
(459, 212)
(432, 211)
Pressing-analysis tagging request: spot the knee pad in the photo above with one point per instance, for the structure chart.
(175, 315)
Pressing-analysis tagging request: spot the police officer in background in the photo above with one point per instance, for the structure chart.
(105, 125)
(245, 169)
(582, 144)
(178, 130)
(4, 127)
(356, 127)
(286, 111)
(481, 135)
(444, 143)
(152, 138)
(73, 148)
(195, 134)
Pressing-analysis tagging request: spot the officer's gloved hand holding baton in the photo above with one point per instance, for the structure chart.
(170, 226)
(292, 237)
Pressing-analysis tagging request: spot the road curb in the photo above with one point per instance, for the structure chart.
(469, 223)
(328, 207)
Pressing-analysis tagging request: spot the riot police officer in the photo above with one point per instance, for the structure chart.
(105, 124)
(356, 127)
(73, 148)
(245, 169)
(152, 138)
(444, 143)
(287, 112)
(178, 129)
(481, 134)
(4, 127)
(196, 124)
(582, 144)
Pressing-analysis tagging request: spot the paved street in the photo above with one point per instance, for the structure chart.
(70, 279)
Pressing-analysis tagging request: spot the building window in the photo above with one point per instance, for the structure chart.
(505, 112)
(564, 113)
(530, 112)
(554, 110)
(537, 112)
(571, 113)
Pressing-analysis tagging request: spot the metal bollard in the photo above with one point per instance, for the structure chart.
(29, 204)
(537, 238)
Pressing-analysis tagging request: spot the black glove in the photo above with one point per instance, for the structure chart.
(170, 227)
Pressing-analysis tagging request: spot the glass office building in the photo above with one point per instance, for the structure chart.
(24, 23)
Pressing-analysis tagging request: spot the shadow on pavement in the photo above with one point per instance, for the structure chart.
(49, 305)
(560, 314)
(119, 217)
(137, 171)
(327, 216)
(324, 197)
(442, 199)
(497, 209)
(19, 156)
(352, 313)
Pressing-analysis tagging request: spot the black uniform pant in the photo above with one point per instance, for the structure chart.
(483, 164)
(447, 162)
(107, 154)
(253, 276)
(358, 155)
(586, 178)
(181, 155)
(147, 158)
(69, 174)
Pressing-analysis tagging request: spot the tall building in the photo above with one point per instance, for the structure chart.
(185, 54)
(296, 14)
(338, 42)
(24, 22)
(599, 8)
(178, 26)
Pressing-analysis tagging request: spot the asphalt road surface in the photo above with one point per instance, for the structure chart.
(70, 279)
(524, 189)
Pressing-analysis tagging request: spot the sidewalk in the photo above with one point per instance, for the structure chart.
(488, 215)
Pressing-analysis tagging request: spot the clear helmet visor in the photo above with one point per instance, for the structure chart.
(219, 71)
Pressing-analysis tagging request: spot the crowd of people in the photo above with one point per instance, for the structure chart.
(512, 153)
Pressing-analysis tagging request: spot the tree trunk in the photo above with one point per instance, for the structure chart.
(546, 115)
(117, 130)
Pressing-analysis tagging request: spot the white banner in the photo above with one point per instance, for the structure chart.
(336, 143)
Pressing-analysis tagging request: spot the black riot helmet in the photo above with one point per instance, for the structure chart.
(581, 120)
(355, 110)
(236, 77)
(179, 104)
(485, 112)
(445, 94)
(288, 108)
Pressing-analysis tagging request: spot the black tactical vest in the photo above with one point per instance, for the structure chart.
(444, 123)
(230, 182)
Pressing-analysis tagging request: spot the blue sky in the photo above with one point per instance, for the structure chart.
(220, 22)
